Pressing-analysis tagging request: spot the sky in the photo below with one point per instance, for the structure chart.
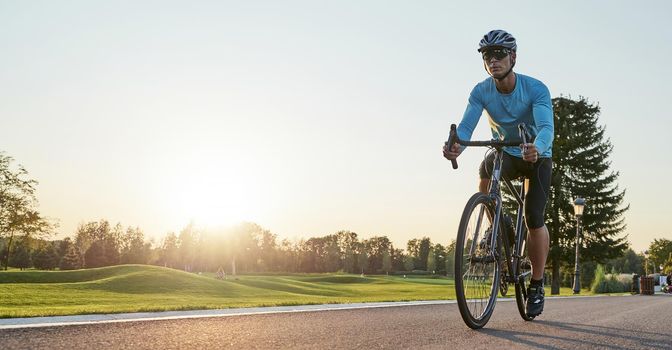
(308, 117)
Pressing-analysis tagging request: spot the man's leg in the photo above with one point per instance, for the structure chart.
(538, 240)
(483, 186)
(537, 249)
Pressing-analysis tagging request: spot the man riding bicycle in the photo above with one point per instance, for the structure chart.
(510, 99)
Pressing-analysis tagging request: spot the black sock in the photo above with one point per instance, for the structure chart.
(537, 283)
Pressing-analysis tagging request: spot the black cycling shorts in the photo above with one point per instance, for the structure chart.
(539, 187)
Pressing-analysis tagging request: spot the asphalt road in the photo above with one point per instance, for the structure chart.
(628, 322)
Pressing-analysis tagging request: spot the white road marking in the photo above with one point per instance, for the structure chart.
(36, 322)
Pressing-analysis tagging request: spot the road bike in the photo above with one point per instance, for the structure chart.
(485, 259)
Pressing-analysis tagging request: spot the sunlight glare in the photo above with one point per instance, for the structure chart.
(218, 199)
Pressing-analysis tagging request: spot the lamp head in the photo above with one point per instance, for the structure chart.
(579, 204)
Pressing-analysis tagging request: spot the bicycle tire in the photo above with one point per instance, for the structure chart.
(476, 263)
(522, 283)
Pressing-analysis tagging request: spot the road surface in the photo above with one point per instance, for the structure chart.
(623, 322)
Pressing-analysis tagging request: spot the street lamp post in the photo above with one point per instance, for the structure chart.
(646, 263)
(579, 204)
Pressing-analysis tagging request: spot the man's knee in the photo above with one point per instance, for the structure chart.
(539, 229)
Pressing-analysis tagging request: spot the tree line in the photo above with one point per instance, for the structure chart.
(244, 248)
(249, 248)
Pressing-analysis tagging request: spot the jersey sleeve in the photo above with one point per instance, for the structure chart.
(471, 115)
(542, 112)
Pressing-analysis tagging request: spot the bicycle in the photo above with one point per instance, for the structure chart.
(481, 239)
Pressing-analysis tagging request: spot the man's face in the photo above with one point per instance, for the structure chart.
(498, 61)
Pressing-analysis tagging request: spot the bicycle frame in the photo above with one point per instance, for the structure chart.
(494, 192)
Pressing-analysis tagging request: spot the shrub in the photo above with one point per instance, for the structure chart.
(611, 283)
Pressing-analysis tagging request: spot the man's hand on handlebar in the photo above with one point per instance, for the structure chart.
(453, 152)
(530, 153)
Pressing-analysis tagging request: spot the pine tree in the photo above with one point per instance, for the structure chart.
(581, 168)
(72, 260)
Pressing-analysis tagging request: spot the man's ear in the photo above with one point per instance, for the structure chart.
(513, 58)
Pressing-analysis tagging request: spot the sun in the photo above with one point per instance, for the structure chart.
(218, 201)
(212, 198)
(211, 188)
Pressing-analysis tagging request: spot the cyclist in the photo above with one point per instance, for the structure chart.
(509, 99)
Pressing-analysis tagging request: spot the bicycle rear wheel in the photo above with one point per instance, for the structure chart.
(476, 263)
(524, 276)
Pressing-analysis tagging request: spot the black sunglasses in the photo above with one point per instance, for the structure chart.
(497, 54)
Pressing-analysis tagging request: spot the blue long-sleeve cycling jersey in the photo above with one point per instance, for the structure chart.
(529, 103)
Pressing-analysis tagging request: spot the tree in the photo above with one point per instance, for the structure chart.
(362, 258)
(375, 248)
(242, 245)
(667, 266)
(409, 263)
(169, 251)
(45, 258)
(387, 262)
(629, 262)
(106, 238)
(413, 250)
(450, 258)
(133, 247)
(398, 259)
(72, 260)
(419, 250)
(95, 255)
(62, 247)
(18, 206)
(289, 256)
(21, 256)
(268, 251)
(581, 168)
(431, 261)
(348, 243)
(332, 254)
(659, 251)
(321, 254)
(439, 256)
(187, 246)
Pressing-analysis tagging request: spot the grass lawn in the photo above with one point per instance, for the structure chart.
(133, 288)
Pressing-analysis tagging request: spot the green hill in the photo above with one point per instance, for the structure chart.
(132, 288)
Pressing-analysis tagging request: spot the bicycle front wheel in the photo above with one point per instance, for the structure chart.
(476, 262)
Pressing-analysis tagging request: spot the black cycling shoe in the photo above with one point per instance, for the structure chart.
(535, 301)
